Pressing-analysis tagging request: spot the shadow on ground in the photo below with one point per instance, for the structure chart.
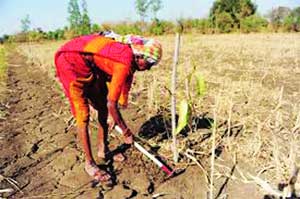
(160, 126)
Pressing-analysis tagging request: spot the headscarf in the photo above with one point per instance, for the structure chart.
(149, 48)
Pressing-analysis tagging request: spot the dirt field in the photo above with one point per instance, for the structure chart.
(39, 147)
(39, 150)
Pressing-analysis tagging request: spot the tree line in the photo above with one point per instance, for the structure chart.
(225, 16)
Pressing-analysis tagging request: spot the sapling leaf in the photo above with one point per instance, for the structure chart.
(200, 85)
(184, 115)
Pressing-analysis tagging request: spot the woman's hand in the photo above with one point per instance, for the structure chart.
(115, 118)
(110, 122)
(128, 136)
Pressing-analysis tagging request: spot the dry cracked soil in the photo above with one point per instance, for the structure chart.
(40, 151)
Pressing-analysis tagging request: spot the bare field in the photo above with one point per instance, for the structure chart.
(252, 95)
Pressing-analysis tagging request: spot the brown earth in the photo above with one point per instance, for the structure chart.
(39, 151)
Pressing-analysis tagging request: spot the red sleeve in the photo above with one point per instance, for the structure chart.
(119, 76)
(123, 100)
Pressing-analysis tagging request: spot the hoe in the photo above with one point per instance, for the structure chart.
(161, 165)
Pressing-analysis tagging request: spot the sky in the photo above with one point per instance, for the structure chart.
(53, 14)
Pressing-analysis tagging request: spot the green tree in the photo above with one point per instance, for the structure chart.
(296, 14)
(25, 24)
(289, 24)
(142, 7)
(85, 20)
(295, 19)
(155, 6)
(224, 22)
(234, 9)
(79, 19)
(74, 16)
(253, 23)
(277, 15)
(156, 27)
(35, 36)
(95, 28)
(247, 8)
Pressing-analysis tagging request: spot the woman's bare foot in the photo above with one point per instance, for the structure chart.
(99, 175)
(119, 157)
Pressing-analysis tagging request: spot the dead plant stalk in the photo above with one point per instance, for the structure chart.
(213, 148)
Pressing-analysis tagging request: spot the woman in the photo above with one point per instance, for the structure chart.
(84, 66)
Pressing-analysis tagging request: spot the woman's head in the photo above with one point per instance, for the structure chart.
(142, 63)
(147, 52)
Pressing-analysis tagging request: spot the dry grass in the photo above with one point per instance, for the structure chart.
(255, 79)
(3, 81)
(41, 54)
(3, 69)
